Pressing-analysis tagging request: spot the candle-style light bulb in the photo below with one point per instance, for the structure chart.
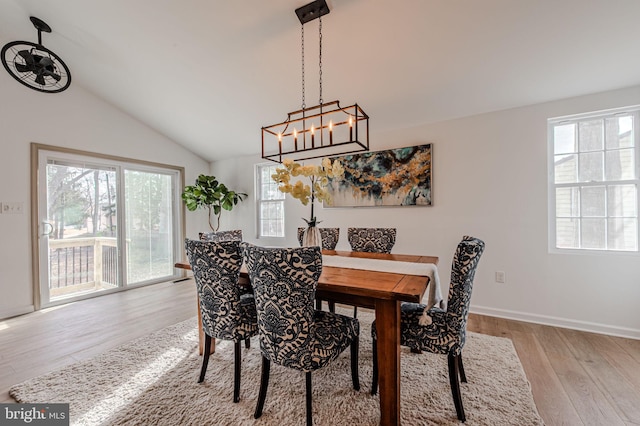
(330, 132)
(350, 128)
(313, 131)
(280, 143)
(295, 139)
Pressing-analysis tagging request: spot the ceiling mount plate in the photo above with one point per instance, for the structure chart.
(40, 24)
(311, 11)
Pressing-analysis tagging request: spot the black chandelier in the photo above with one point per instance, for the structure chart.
(322, 130)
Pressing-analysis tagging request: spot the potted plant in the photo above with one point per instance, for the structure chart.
(318, 178)
(208, 193)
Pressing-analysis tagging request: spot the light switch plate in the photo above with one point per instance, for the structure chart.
(12, 207)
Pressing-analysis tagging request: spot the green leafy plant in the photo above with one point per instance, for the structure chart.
(208, 193)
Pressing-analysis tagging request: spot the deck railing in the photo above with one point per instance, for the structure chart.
(82, 263)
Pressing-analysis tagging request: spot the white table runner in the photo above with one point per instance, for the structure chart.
(433, 296)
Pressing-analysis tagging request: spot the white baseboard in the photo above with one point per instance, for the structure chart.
(13, 312)
(593, 327)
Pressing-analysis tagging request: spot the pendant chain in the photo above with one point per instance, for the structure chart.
(320, 61)
(304, 105)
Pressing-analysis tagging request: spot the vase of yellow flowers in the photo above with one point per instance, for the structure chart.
(318, 176)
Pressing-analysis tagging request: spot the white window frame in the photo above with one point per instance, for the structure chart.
(260, 201)
(634, 111)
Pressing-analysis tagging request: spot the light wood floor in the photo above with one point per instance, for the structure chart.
(576, 377)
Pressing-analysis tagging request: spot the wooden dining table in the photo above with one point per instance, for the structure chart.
(382, 291)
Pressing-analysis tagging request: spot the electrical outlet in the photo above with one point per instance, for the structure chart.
(15, 207)
(500, 277)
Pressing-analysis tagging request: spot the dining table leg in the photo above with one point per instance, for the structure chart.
(388, 334)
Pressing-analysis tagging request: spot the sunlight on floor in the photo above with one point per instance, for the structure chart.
(134, 386)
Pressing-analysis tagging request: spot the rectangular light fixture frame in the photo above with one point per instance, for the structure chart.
(319, 131)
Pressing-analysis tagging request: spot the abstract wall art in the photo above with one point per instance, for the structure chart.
(395, 177)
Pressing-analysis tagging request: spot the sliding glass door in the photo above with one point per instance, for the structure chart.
(148, 203)
(104, 225)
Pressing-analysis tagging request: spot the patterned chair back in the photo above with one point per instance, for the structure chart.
(284, 282)
(329, 237)
(234, 235)
(463, 270)
(372, 240)
(216, 268)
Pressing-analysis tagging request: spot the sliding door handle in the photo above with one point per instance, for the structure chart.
(44, 227)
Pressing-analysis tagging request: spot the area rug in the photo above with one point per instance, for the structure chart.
(153, 381)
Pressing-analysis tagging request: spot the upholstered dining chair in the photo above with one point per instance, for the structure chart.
(226, 313)
(447, 332)
(329, 237)
(372, 240)
(292, 333)
(233, 235)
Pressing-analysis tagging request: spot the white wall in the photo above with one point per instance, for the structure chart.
(489, 181)
(75, 119)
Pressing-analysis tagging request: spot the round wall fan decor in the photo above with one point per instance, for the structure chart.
(34, 65)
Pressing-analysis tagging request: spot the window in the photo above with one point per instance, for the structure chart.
(593, 178)
(270, 203)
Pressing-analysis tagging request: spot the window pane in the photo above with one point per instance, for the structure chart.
(591, 167)
(619, 132)
(621, 164)
(622, 234)
(566, 168)
(271, 219)
(83, 245)
(265, 175)
(564, 139)
(148, 204)
(567, 202)
(590, 135)
(567, 233)
(592, 201)
(622, 201)
(269, 188)
(265, 191)
(592, 234)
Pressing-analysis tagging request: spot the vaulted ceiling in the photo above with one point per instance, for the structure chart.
(209, 74)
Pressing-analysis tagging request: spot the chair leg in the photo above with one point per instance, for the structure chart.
(264, 384)
(247, 343)
(355, 377)
(205, 357)
(463, 377)
(332, 306)
(236, 370)
(318, 304)
(309, 405)
(374, 382)
(455, 385)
